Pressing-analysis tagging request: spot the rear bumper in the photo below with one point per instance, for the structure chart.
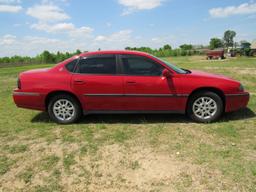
(28, 100)
(235, 102)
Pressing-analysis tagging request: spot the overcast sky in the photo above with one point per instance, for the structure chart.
(28, 26)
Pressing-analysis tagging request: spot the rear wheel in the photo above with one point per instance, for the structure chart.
(64, 109)
(205, 107)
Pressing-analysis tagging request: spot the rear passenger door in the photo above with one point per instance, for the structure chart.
(96, 79)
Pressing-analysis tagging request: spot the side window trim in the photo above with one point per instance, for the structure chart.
(119, 64)
(77, 65)
(127, 56)
(76, 71)
(78, 59)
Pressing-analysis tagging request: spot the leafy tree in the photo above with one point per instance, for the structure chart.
(167, 47)
(228, 38)
(216, 43)
(186, 47)
(143, 49)
(78, 52)
(175, 53)
(46, 57)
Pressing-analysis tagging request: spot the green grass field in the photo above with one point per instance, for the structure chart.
(130, 152)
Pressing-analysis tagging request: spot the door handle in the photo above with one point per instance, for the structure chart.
(79, 82)
(131, 82)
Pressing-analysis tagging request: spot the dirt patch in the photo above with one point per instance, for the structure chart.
(30, 159)
(115, 168)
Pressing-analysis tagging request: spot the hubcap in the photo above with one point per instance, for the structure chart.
(63, 109)
(204, 107)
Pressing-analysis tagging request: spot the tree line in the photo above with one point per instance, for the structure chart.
(167, 51)
(44, 57)
(227, 43)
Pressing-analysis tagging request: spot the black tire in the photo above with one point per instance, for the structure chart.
(76, 112)
(205, 94)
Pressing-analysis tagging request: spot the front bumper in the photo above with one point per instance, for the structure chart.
(28, 100)
(235, 102)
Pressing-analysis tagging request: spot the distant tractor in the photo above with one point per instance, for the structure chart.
(215, 54)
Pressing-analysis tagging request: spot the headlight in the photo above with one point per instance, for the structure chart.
(241, 88)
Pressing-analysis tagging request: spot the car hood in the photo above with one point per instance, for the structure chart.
(201, 74)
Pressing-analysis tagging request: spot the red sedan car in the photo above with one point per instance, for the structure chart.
(126, 82)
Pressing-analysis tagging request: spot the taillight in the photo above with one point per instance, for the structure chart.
(19, 83)
(241, 88)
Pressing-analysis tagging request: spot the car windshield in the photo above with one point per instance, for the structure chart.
(175, 68)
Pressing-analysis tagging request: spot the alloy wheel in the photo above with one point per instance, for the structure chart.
(204, 108)
(63, 109)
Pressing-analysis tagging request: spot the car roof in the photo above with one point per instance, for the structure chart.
(125, 52)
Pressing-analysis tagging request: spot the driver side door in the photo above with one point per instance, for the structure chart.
(145, 88)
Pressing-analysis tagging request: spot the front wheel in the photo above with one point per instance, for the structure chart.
(64, 109)
(205, 107)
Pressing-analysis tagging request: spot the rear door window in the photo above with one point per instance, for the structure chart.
(98, 65)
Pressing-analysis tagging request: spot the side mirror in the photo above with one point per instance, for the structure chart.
(166, 73)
